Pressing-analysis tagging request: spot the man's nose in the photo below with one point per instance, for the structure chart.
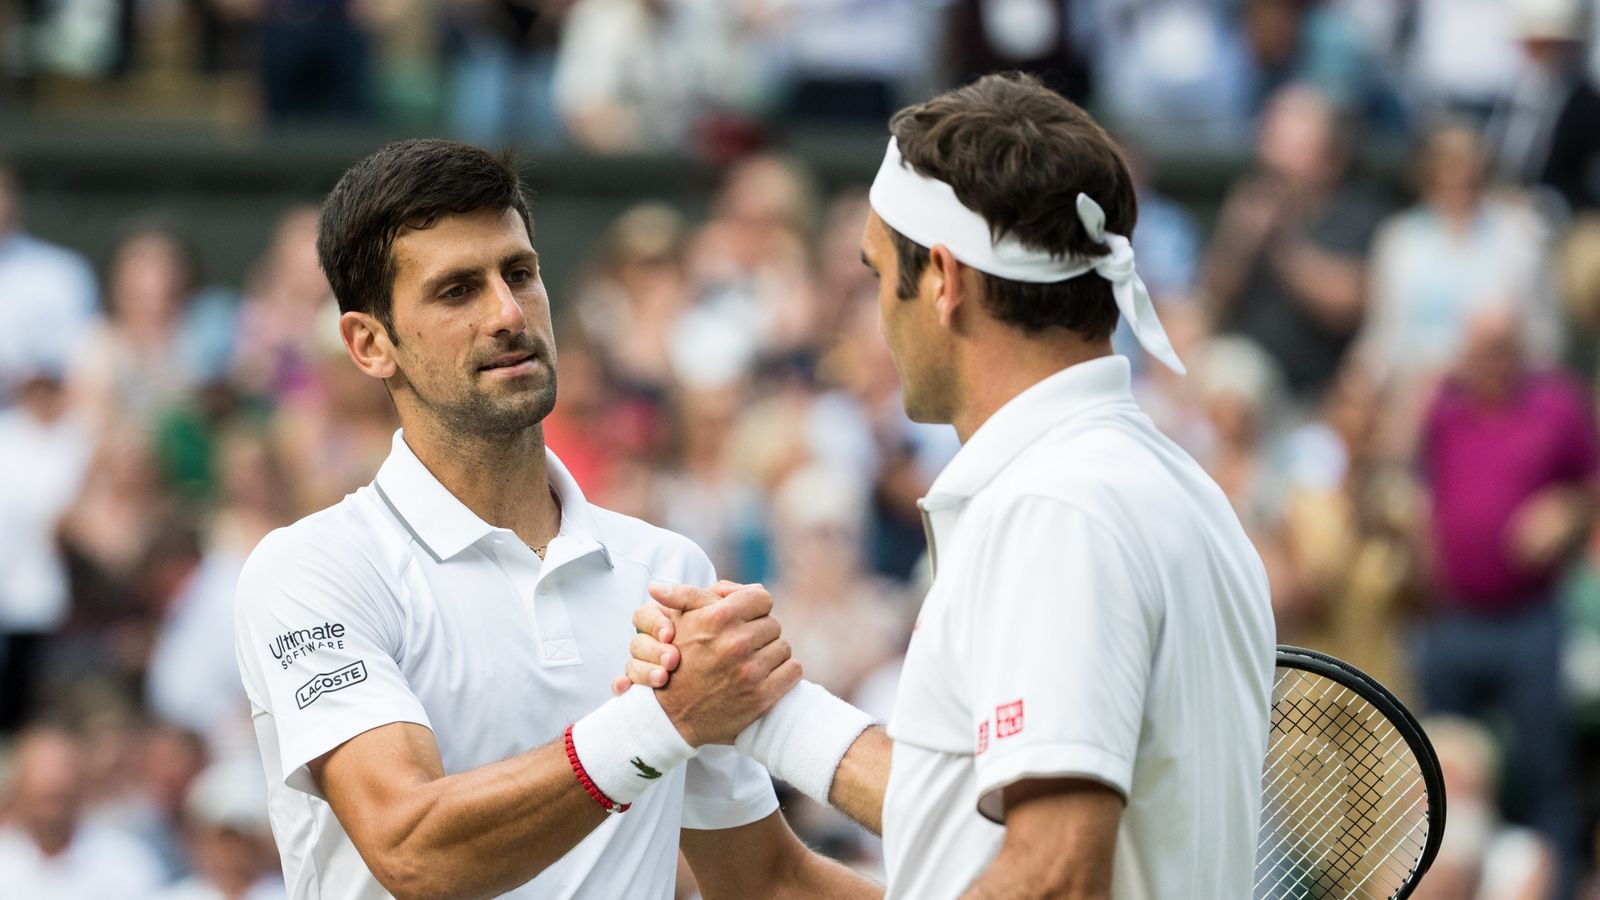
(508, 314)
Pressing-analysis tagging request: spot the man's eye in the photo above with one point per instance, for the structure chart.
(455, 292)
(520, 276)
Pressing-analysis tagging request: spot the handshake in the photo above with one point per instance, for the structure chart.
(710, 666)
(722, 652)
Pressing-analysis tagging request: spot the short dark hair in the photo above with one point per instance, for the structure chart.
(407, 184)
(1018, 154)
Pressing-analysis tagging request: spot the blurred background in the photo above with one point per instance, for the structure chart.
(1372, 228)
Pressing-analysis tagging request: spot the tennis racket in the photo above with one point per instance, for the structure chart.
(1352, 799)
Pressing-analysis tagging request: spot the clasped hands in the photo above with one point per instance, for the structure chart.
(716, 657)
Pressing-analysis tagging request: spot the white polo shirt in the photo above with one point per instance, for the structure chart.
(1097, 612)
(398, 604)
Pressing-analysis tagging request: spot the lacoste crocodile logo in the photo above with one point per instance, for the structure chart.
(645, 771)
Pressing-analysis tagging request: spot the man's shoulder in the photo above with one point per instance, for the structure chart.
(344, 535)
(1085, 460)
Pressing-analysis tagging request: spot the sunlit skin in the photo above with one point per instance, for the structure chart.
(921, 349)
(471, 365)
(957, 363)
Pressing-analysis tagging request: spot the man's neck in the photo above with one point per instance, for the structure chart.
(1007, 368)
(503, 479)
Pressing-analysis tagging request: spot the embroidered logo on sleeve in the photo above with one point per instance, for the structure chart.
(1008, 719)
(298, 643)
(328, 682)
(983, 737)
(645, 769)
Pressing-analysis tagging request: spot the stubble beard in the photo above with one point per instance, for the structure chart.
(477, 411)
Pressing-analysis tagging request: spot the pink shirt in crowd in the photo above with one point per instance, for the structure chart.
(1482, 462)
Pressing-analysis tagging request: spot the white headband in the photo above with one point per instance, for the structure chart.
(925, 210)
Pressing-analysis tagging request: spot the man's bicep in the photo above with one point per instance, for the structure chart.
(1061, 653)
(368, 778)
(1061, 838)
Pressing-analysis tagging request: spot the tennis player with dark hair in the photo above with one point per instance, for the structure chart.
(1084, 705)
(428, 661)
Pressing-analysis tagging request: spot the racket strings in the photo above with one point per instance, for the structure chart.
(1344, 807)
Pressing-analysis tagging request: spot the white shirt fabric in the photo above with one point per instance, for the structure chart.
(48, 301)
(42, 466)
(1097, 612)
(99, 863)
(398, 604)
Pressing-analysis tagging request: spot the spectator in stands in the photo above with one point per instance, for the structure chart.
(639, 75)
(850, 61)
(1482, 857)
(229, 840)
(1169, 64)
(502, 57)
(163, 760)
(48, 295)
(841, 278)
(331, 440)
(151, 353)
(1033, 36)
(1544, 131)
(46, 851)
(1510, 454)
(1461, 55)
(191, 679)
(847, 621)
(1286, 266)
(633, 294)
(278, 321)
(751, 264)
(1353, 522)
(44, 452)
(314, 57)
(112, 527)
(1244, 397)
(1167, 245)
(705, 493)
(1434, 266)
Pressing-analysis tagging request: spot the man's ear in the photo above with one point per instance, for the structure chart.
(948, 288)
(367, 342)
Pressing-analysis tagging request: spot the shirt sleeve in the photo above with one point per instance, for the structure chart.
(725, 790)
(722, 789)
(1061, 649)
(318, 638)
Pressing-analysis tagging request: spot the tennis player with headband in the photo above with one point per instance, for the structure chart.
(1083, 709)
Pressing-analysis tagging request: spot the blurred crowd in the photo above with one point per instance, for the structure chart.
(620, 76)
(1396, 387)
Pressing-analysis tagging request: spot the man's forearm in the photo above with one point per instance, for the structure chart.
(862, 779)
(476, 833)
(819, 876)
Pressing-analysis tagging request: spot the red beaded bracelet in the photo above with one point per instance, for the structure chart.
(606, 803)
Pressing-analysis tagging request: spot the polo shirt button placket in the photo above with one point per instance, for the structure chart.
(558, 646)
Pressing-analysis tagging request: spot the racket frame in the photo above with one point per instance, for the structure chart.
(1367, 688)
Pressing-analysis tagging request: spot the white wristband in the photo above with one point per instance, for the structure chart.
(803, 738)
(627, 744)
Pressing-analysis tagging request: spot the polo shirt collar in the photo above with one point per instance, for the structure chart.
(444, 526)
(1024, 419)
